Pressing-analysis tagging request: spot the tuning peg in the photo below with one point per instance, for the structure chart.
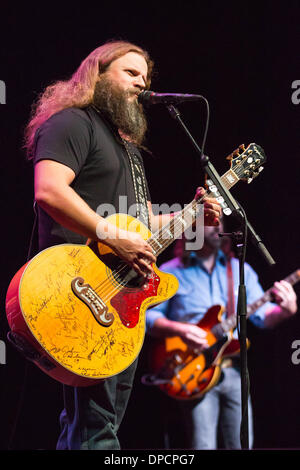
(242, 147)
(249, 180)
(260, 169)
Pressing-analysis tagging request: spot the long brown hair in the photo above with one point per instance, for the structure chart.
(79, 89)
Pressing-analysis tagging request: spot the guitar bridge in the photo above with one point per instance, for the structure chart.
(92, 300)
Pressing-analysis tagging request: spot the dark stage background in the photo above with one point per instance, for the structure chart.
(243, 59)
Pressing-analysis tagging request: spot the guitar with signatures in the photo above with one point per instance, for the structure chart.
(78, 311)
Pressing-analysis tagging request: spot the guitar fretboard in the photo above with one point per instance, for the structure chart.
(230, 323)
(181, 221)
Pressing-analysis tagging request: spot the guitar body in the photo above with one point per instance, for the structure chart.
(73, 310)
(181, 372)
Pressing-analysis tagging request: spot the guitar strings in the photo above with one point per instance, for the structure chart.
(118, 271)
(152, 239)
(103, 288)
(105, 291)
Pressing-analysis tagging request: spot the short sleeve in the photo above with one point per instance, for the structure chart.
(159, 311)
(66, 138)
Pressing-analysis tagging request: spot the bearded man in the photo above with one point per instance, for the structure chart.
(83, 137)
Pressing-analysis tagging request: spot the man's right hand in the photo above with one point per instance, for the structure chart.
(193, 336)
(133, 249)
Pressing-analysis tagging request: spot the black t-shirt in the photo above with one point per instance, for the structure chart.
(85, 142)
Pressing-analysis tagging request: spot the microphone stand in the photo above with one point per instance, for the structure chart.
(241, 240)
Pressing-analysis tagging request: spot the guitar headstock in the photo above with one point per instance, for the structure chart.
(246, 162)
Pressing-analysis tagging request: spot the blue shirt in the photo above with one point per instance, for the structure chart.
(199, 290)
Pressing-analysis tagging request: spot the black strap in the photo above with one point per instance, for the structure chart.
(137, 172)
(139, 184)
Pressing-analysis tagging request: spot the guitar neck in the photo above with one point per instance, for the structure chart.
(245, 164)
(230, 323)
(184, 219)
(267, 296)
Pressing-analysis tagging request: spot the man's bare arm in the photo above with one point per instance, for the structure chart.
(55, 195)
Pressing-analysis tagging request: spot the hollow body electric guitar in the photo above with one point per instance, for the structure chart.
(182, 372)
(78, 311)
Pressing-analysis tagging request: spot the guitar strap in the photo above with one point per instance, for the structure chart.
(230, 309)
(139, 184)
(137, 171)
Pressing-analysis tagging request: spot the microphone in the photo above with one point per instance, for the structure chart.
(149, 97)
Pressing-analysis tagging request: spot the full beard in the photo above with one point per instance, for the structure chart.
(127, 116)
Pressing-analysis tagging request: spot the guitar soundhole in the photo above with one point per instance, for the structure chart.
(120, 273)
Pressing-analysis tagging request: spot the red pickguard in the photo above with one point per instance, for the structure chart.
(128, 301)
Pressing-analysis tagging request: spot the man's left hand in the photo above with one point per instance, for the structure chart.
(285, 297)
(212, 209)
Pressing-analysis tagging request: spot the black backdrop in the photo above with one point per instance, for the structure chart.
(243, 59)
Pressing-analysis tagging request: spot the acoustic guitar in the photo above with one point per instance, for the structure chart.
(78, 311)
